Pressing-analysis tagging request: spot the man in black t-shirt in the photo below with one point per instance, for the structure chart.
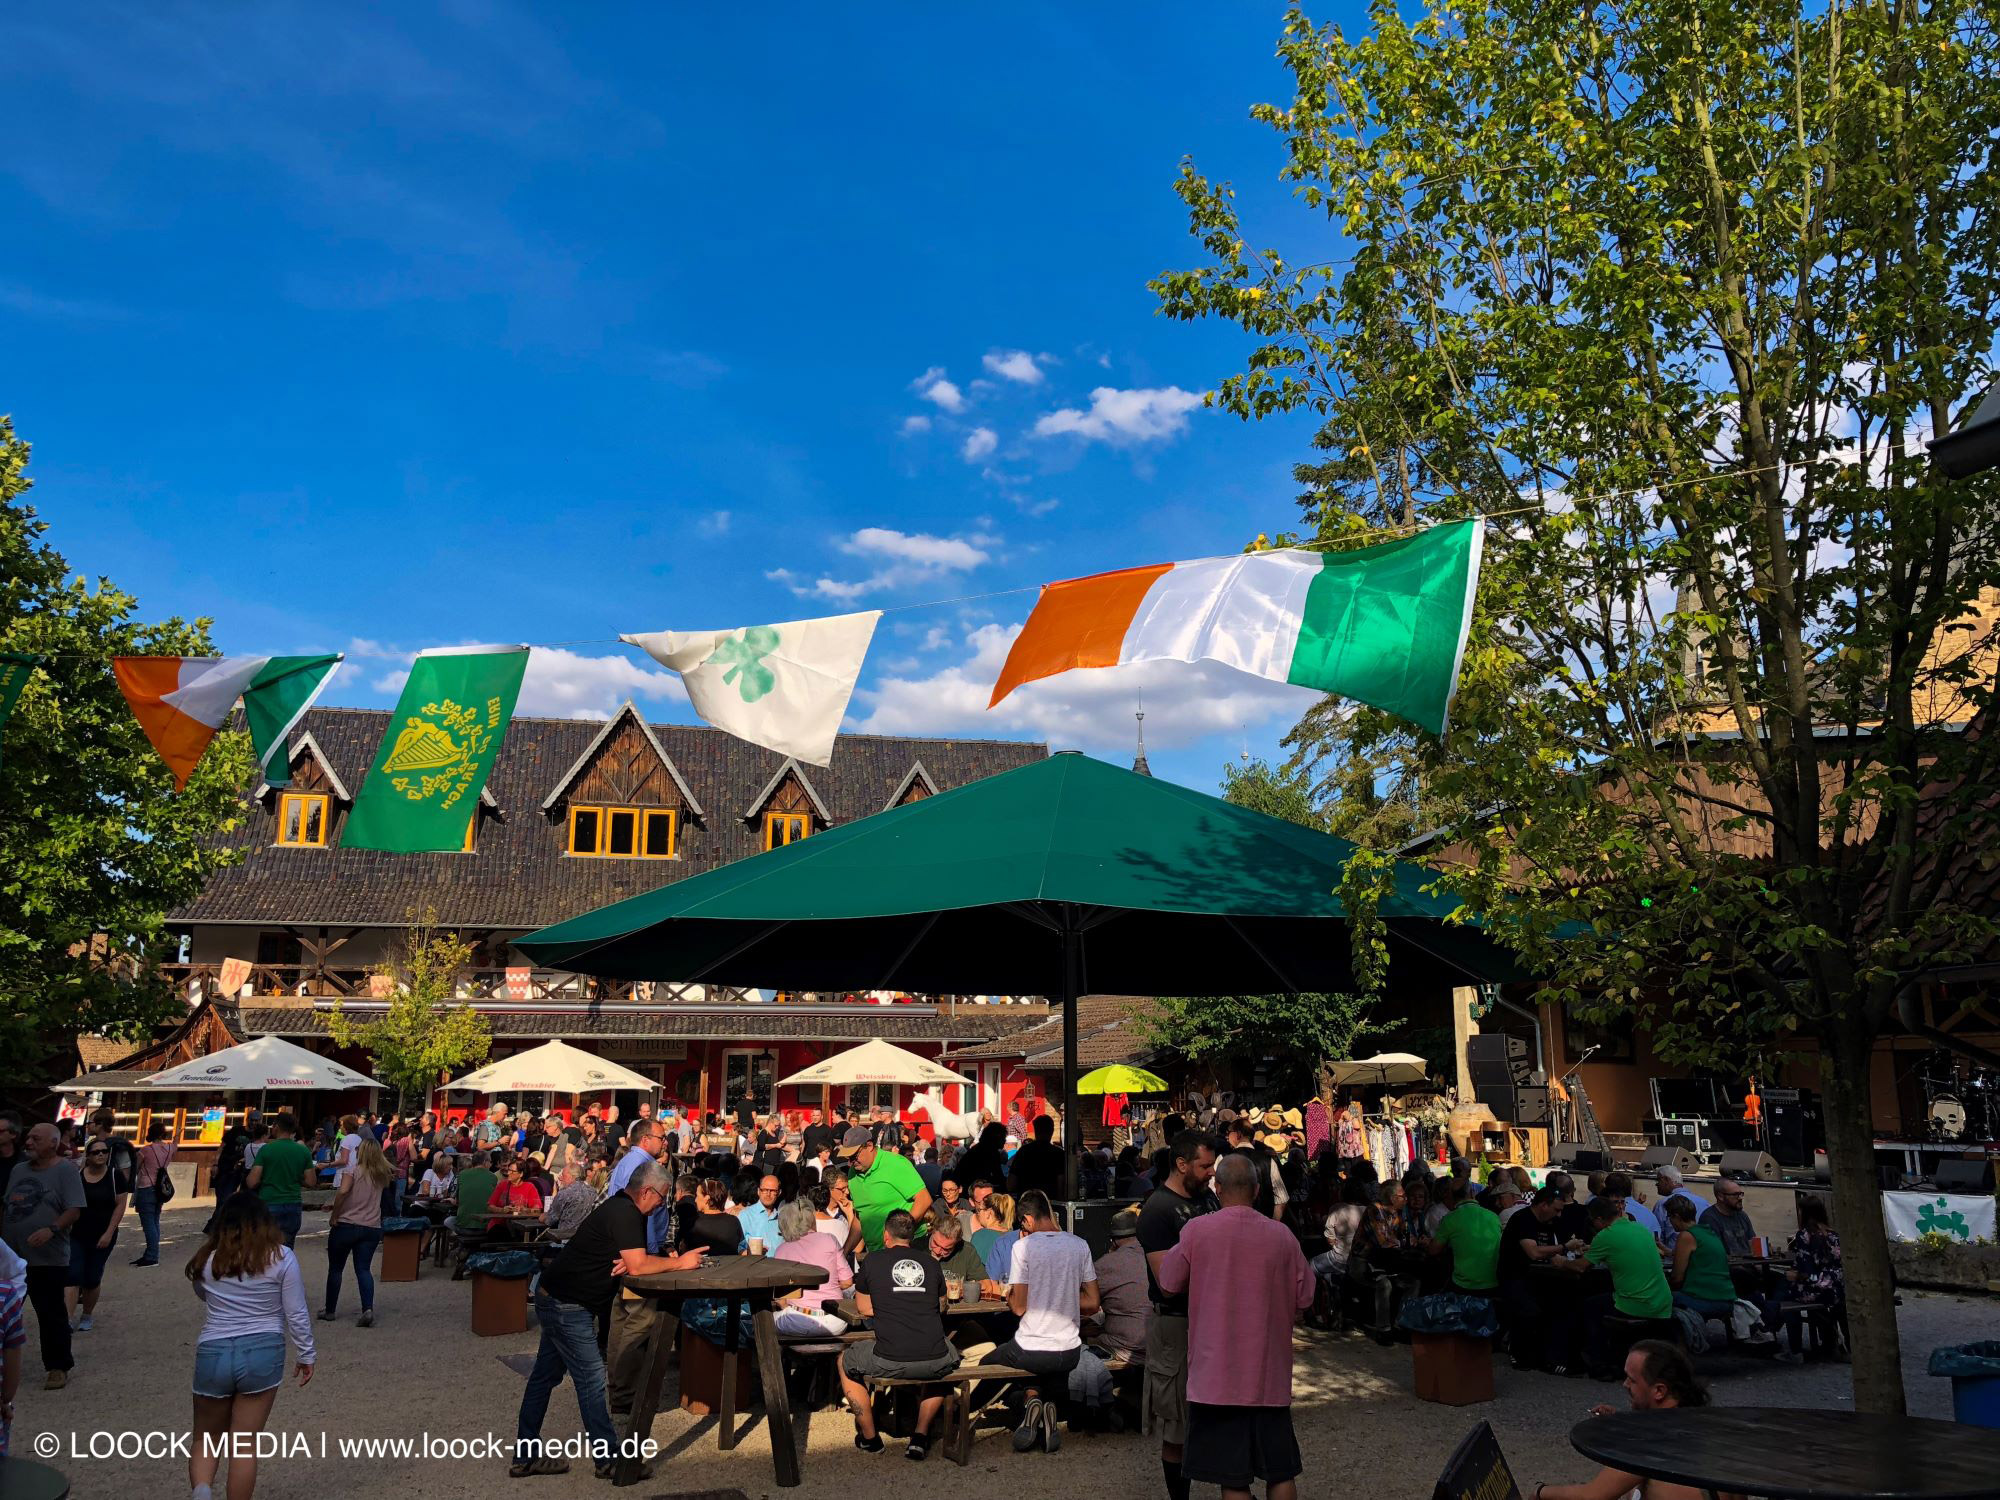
(1183, 1196)
(1528, 1238)
(575, 1292)
(819, 1137)
(900, 1291)
(1038, 1165)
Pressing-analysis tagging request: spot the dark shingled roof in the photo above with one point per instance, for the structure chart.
(1106, 1032)
(862, 1023)
(519, 876)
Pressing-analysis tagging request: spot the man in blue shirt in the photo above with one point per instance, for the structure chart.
(1672, 1185)
(760, 1219)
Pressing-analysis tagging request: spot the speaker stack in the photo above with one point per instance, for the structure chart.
(1503, 1078)
(1793, 1125)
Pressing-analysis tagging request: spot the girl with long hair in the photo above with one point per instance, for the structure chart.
(354, 1227)
(249, 1281)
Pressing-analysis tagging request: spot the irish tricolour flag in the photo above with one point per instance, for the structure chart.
(181, 701)
(1385, 625)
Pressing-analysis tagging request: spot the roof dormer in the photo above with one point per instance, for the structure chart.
(788, 808)
(623, 798)
(914, 787)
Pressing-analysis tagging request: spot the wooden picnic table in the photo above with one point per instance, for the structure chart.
(751, 1281)
(971, 1307)
(1796, 1454)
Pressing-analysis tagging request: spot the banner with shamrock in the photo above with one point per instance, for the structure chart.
(1958, 1216)
(435, 755)
(783, 686)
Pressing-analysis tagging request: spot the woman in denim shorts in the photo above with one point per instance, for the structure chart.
(251, 1285)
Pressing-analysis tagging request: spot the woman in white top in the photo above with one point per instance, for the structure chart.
(440, 1180)
(250, 1283)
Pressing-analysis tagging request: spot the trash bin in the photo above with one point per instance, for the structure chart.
(1975, 1381)
(500, 1291)
(402, 1248)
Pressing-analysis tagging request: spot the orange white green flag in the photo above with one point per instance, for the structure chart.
(181, 701)
(1385, 625)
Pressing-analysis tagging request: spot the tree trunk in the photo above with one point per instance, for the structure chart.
(1846, 1048)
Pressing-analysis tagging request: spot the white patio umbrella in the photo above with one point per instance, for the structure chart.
(266, 1062)
(874, 1062)
(553, 1067)
(1383, 1068)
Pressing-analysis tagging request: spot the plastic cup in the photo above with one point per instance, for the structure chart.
(756, 1244)
(954, 1288)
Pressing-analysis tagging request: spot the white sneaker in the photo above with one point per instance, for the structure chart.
(85, 1323)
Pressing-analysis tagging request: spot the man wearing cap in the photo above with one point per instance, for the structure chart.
(1124, 1305)
(881, 1183)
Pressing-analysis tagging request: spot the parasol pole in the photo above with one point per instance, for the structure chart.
(1072, 983)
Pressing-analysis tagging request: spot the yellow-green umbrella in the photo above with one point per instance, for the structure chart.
(1120, 1078)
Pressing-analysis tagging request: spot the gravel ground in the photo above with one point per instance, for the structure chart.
(420, 1372)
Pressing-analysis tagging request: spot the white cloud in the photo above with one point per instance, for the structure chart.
(1017, 365)
(940, 392)
(899, 558)
(1091, 708)
(916, 424)
(1031, 507)
(715, 523)
(562, 684)
(978, 443)
(568, 685)
(1121, 417)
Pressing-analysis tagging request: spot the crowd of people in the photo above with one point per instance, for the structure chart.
(1230, 1240)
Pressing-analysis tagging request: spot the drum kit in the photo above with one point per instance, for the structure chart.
(1962, 1102)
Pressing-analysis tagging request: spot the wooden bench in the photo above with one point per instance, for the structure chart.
(959, 1412)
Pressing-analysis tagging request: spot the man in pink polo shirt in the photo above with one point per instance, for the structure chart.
(1246, 1281)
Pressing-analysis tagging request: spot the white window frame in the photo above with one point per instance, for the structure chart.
(750, 1076)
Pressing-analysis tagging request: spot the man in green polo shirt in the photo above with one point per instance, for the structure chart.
(1639, 1287)
(1471, 1236)
(883, 1182)
(279, 1172)
(476, 1183)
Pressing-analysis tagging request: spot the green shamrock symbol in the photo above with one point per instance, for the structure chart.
(744, 656)
(1931, 1217)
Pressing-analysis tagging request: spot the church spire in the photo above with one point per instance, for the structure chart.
(1139, 760)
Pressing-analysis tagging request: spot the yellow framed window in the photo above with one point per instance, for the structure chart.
(781, 829)
(302, 818)
(586, 828)
(659, 841)
(621, 832)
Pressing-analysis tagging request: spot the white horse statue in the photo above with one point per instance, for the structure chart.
(948, 1125)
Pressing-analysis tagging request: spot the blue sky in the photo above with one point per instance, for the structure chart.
(370, 328)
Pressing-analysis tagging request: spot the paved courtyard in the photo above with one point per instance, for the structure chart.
(420, 1373)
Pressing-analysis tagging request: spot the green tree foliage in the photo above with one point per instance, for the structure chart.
(425, 1034)
(95, 839)
(1676, 294)
(1294, 1033)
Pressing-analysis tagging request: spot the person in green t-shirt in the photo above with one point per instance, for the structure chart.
(1471, 1236)
(476, 1185)
(882, 1182)
(279, 1173)
(1700, 1273)
(1639, 1288)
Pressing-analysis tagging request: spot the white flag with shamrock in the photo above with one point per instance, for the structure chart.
(783, 686)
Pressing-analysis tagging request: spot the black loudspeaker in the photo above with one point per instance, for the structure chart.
(1794, 1125)
(1749, 1166)
(1497, 1097)
(1531, 1106)
(1959, 1174)
(1657, 1157)
(1497, 1058)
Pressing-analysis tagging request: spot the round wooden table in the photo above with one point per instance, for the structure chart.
(1797, 1454)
